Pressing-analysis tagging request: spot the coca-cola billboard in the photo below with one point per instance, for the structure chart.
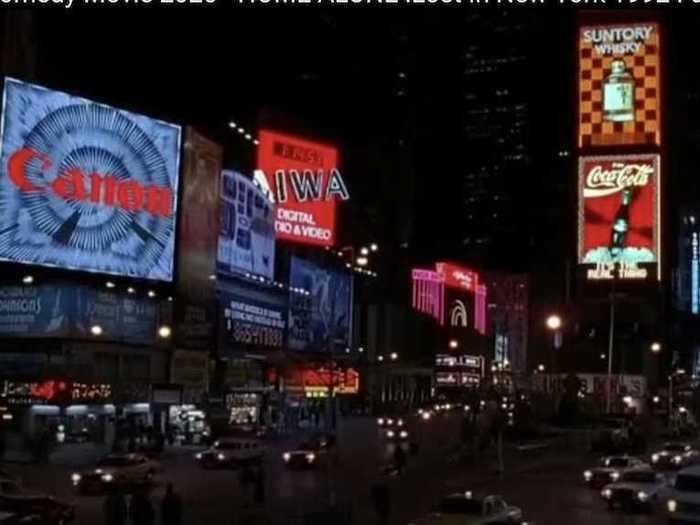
(619, 216)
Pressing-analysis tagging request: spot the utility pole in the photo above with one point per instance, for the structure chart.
(611, 341)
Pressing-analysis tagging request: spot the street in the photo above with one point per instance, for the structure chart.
(548, 487)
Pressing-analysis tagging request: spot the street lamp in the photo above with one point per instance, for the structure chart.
(380, 358)
(554, 323)
(602, 356)
(364, 251)
(394, 356)
(164, 331)
(540, 368)
(453, 344)
(374, 247)
(96, 330)
(655, 347)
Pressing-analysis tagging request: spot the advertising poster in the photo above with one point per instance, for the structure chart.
(199, 217)
(304, 178)
(322, 321)
(133, 320)
(36, 311)
(619, 81)
(619, 213)
(246, 228)
(85, 186)
(255, 318)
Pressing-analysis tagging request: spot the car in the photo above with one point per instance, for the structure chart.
(675, 455)
(396, 434)
(305, 456)
(390, 422)
(33, 507)
(116, 470)
(610, 469)
(466, 508)
(637, 488)
(231, 453)
(683, 504)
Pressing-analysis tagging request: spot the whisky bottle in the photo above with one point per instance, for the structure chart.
(618, 93)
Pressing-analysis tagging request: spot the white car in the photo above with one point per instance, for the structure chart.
(610, 470)
(683, 504)
(232, 452)
(637, 488)
(675, 455)
(465, 508)
(116, 469)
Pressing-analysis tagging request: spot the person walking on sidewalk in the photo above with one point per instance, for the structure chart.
(141, 511)
(114, 508)
(381, 500)
(171, 507)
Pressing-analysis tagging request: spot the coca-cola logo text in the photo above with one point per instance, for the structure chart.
(600, 182)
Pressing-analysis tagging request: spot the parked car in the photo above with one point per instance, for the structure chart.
(610, 470)
(232, 452)
(116, 470)
(683, 504)
(466, 508)
(32, 508)
(675, 455)
(638, 488)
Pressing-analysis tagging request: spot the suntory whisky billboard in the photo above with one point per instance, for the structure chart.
(618, 226)
(619, 80)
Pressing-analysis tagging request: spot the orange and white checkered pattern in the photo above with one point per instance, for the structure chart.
(644, 67)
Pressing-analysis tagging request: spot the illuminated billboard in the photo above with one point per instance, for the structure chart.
(619, 84)
(320, 307)
(619, 210)
(199, 216)
(303, 176)
(85, 186)
(458, 276)
(246, 228)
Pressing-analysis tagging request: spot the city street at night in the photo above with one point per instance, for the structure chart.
(349, 262)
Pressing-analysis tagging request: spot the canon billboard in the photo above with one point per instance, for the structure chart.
(619, 212)
(85, 186)
(305, 182)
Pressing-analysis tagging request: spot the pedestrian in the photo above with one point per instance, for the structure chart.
(381, 499)
(260, 486)
(399, 458)
(171, 507)
(246, 478)
(114, 508)
(141, 511)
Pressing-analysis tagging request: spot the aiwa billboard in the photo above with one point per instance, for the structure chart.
(85, 186)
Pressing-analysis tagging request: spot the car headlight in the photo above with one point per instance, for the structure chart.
(75, 478)
(107, 477)
(654, 458)
(677, 459)
(99, 471)
(286, 456)
(403, 434)
(614, 475)
(220, 456)
(399, 423)
(310, 457)
(198, 455)
(390, 434)
(642, 496)
(606, 493)
(389, 421)
(448, 407)
(380, 421)
(587, 475)
(672, 505)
